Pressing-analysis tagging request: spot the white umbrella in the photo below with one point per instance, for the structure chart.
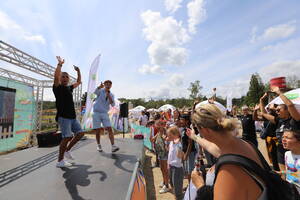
(220, 106)
(293, 95)
(136, 112)
(167, 107)
(152, 110)
(137, 109)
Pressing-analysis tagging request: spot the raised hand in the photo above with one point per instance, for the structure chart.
(190, 133)
(76, 68)
(60, 60)
(275, 89)
(197, 179)
(257, 107)
(264, 96)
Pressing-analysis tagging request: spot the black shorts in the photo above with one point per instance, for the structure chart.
(280, 154)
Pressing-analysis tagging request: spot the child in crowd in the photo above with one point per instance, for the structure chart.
(188, 146)
(162, 153)
(175, 161)
(291, 141)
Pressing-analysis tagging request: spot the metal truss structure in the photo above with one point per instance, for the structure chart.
(21, 59)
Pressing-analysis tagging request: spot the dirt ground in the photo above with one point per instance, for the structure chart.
(154, 178)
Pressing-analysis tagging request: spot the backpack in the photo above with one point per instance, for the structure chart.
(276, 187)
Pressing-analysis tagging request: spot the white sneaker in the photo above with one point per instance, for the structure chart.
(68, 155)
(161, 185)
(164, 189)
(63, 164)
(114, 148)
(99, 148)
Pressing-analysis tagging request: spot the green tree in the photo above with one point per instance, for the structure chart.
(256, 90)
(293, 81)
(195, 89)
(48, 105)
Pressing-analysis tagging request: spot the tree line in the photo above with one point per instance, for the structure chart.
(256, 89)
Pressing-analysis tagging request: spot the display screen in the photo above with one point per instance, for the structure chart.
(7, 107)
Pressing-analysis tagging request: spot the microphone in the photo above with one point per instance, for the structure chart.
(107, 95)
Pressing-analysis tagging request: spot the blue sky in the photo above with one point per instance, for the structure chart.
(156, 48)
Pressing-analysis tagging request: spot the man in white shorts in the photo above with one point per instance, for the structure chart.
(101, 119)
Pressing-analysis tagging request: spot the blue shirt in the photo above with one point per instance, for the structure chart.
(101, 104)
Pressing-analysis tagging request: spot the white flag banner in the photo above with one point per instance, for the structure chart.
(87, 121)
(229, 103)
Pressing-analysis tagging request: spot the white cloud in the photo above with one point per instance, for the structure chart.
(146, 69)
(161, 54)
(253, 34)
(279, 31)
(172, 5)
(160, 93)
(283, 68)
(167, 90)
(167, 37)
(11, 30)
(196, 13)
(235, 88)
(37, 38)
(176, 79)
(240, 86)
(267, 48)
(285, 50)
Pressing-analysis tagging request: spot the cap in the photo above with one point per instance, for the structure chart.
(108, 81)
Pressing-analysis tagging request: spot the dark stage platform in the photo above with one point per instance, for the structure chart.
(32, 174)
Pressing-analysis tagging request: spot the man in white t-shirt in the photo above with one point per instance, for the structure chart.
(143, 119)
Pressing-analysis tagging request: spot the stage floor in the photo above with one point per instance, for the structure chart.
(32, 174)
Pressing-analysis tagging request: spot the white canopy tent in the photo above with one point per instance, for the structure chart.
(152, 110)
(167, 107)
(136, 112)
(137, 109)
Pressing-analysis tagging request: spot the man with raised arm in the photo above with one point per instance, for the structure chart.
(66, 115)
(101, 119)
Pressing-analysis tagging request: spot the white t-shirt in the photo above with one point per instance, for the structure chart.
(173, 159)
(292, 165)
(144, 120)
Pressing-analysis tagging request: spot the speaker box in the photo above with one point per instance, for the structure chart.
(49, 139)
(124, 110)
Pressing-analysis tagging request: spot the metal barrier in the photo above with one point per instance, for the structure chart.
(137, 185)
(132, 180)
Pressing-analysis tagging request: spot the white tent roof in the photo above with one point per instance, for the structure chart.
(137, 109)
(152, 110)
(167, 107)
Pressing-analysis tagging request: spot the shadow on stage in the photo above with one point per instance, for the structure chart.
(78, 175)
